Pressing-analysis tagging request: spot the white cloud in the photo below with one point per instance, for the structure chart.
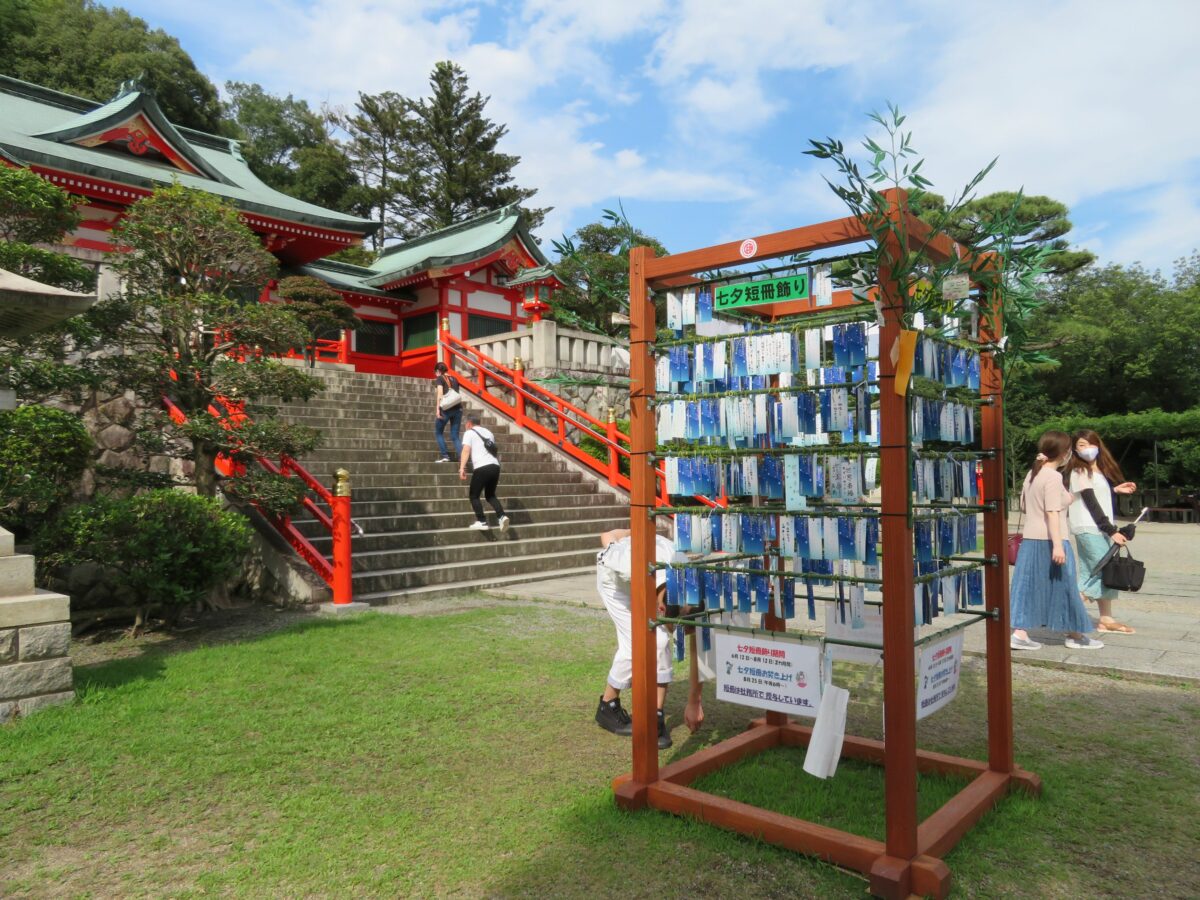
(1165, 226)
(714, 55)
(1077, 98)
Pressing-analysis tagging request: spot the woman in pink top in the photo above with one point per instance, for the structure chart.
(1044, 593)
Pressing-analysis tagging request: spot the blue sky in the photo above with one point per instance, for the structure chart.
(695, 113)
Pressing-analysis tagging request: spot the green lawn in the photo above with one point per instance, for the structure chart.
(455, 755)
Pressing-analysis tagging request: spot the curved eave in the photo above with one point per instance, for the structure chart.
(458, 259)
(27, 306)
(27, 157)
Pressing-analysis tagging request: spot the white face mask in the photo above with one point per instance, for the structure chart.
(1089, 453)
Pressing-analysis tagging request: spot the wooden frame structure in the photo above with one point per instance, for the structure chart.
(909, 860)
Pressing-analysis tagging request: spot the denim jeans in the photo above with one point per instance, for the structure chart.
(453, 417)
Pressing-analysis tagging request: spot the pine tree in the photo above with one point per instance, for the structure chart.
(380, 149)
(455, 171)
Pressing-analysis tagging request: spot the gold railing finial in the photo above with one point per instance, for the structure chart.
(518, 364)
(342, 487)
(612, 415)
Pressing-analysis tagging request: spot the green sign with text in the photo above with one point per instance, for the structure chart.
(777, 290)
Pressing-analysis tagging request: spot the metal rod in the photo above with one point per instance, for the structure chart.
(798, 636)
(800, 322)
(754, 392)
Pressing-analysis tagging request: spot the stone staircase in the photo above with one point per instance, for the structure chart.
(414, 511)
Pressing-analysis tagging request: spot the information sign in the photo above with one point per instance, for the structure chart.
(777, 290)
(938, 671)
(779, 675)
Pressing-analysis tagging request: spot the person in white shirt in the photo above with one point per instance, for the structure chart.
(614, 565)
(1094, 478)
(485, 474)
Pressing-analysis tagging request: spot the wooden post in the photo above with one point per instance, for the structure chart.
(642, 440)
(995, 544)
(613, 466)
(890, 877)
(343, 589)
(519, 382)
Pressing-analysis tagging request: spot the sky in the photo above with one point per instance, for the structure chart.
(694, 114)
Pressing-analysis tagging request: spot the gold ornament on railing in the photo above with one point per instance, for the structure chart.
(518, 365)
(612, 415)
(342, 487)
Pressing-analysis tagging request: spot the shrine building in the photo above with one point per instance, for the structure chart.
(486, 275)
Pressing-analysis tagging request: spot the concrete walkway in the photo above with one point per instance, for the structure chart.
(1165, 613)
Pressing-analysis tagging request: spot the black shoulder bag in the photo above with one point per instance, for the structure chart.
(1121, 573)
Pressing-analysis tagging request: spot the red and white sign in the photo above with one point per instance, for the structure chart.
(749, 248)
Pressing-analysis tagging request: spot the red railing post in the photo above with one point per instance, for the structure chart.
(561, 415)
(613, 469)
(343, 589)
(343, 352)
(519, 393)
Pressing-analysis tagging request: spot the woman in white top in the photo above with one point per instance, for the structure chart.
(1043, 592)
(1095, 477)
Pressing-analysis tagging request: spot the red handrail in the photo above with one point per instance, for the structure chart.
(335, 572)
(563, 413)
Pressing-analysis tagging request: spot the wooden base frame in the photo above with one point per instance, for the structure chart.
(925, 874)
(909, 859)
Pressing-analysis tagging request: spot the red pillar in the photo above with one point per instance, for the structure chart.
(642, 478)
(890, 876)
(995, 544)
(343, 590)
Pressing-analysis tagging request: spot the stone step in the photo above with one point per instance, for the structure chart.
(419, 433)
(364, 505)
(449, 484)
(457, 534)
(458, 572)
(431, 470)
(387, 489)
(484, 548)
(431, 523)
(437, 591)
(355, 455)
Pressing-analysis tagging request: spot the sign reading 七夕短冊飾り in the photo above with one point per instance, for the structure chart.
(938, 671)
(778, 675)
(777, 290)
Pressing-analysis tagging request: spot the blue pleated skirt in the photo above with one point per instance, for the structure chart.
(1045, 595)
(1091, 546)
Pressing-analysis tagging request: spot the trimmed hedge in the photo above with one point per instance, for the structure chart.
(43, 453)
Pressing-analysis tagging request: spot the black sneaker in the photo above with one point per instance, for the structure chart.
(664, 736)
(612, 717)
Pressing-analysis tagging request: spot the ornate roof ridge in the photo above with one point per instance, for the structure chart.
(466, 224)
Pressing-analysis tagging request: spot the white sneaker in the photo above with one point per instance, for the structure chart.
(444, 459)
(1023, 643)
(504, 523)
(1084, 643)
(478, 526)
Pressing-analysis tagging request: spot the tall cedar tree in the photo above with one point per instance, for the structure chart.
(456, 172)
(380, 151)
(191, 280)
(84, 48)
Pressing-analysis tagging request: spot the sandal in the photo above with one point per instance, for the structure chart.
(1114, 627)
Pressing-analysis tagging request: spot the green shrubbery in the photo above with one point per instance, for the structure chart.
(163, 547)
(599, 449)
(43, 451)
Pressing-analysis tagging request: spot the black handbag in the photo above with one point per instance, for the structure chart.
(1122, 573)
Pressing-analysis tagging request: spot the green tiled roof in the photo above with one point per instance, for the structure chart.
(525, 276)
(459, 243)
(349, 277)
(35, 122)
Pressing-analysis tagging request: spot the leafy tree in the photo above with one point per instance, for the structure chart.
(191, 264)
(84, 48)
(43, 452)
(288, 146)
(33, 211)
(318, 306)
(594, 269)
(1039, 221)
(454, 171)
